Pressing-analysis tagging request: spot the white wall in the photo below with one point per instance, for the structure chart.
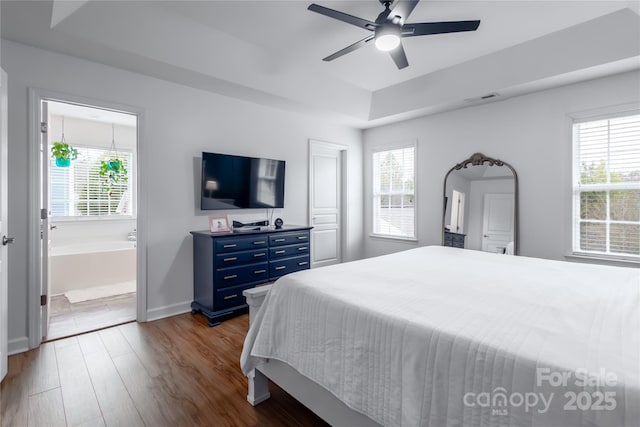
(91, 133)
(531, 132)
(178, 123)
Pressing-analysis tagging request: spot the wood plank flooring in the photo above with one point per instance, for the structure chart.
(171, 372)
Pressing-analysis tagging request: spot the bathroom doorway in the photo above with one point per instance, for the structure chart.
(89, 237)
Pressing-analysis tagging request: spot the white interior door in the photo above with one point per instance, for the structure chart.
(457, 211)
(4, 306)
(44, 219)
(325, 181)
(497, 223)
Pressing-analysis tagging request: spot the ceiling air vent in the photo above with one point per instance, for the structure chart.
(483, 97)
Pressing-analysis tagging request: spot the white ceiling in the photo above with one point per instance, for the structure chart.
(89, 113)
(270, 52)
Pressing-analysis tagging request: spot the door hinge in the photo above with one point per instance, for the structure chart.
(43, 214)
(43, 300)
(44, 127)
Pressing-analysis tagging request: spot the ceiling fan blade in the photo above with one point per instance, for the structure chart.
(399, 57)
(403, 9)
(426, 28)
(344, 17)
(348, 49)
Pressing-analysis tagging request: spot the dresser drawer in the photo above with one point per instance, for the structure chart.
(234, 244)
(252, 273)
(231, 297)
(288, 265)
(454, 239)
(237, 258)
(288, 251)
(282, 239)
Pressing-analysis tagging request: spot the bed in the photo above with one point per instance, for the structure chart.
(440, 336)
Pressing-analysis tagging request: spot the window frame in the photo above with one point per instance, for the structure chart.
(574, 235)
(131, 186)
(392, 147)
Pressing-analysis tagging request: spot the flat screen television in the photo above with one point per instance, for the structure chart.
(237, 182)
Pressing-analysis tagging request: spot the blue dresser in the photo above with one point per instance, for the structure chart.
(225, 264)
(454, 239)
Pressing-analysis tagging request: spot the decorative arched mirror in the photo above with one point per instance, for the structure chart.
(481, 206)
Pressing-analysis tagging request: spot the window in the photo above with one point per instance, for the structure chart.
(78, 190)
(394, 193)
(606, 187)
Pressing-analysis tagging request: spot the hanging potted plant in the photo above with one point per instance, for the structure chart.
(63, 152)
(113, 169)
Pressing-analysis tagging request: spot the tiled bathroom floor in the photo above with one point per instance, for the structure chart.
(68, 319)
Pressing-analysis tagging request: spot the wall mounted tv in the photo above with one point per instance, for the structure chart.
(237, 182)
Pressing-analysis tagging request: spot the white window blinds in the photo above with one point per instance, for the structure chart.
(606, 189)
(79, 190)
(393, 193)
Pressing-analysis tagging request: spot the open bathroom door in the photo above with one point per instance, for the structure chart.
(45, 275)
(4, 305)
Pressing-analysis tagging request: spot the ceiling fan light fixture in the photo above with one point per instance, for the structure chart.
(387, 42)
(387, 37)
(390, 27)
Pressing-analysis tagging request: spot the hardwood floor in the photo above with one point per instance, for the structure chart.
(170, 372)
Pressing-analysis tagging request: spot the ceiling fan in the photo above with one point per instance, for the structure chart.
(390, 26)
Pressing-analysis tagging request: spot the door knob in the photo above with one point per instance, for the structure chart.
(51, 227)
(6, 240)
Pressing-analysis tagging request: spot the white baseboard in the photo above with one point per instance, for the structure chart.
(168, 311)
(17, 345)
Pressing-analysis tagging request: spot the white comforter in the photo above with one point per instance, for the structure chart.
(439, 336)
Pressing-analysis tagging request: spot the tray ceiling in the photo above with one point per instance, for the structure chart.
(270, 52)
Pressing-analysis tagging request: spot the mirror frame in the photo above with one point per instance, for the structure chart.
(479, 159)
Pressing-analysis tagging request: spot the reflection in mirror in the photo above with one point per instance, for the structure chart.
(481, 206)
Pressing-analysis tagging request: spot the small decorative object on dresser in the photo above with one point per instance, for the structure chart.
(278, 223)
(225, 264)
(219, 223)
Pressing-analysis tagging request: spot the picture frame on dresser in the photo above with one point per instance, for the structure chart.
(219, 223)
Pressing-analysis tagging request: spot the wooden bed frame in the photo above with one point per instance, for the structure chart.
(315, 397)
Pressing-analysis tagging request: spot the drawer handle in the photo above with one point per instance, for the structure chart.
(279, 240)
(304, 248)
(233, 276)
(233, 245)
(262, 242)
(302, 237)
(259, 255)
(235, 258)
(259, 271)
(303, 263)
(281, 252)
(281, 267)
(231, 296)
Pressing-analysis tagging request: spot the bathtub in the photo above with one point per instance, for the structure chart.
(91, 264)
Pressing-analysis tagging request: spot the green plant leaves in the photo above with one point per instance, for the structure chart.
(113, 171)
(62, 150)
